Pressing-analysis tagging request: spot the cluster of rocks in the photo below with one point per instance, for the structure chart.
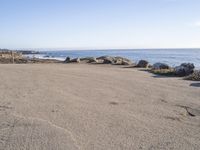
(184, 69)
(10, 57)
(7, 56)
(101, 60)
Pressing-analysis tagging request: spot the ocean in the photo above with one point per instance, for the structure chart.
(172, 57)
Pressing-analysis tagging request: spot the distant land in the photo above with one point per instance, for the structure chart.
(24, 52)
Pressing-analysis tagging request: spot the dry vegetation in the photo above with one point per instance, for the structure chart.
(164, 72)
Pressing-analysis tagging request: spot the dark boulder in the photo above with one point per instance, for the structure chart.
(143, 64)
(75, 60)
(67, 60)
(159, 66)
(195, 76)
(122, 61)
(88, 60)
(106, 59)
(184, 69)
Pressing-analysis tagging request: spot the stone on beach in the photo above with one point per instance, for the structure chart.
(143, 64)
(88, 60)
(122, 61)
(195, 76)
(184, 69)
(75, 60)
(159, 66)
(115, 60)
(106, 59)
(67, 60)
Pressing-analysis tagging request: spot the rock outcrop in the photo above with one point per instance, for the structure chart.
(184, 69)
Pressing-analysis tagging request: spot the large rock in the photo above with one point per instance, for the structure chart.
(143, 64)
(117, 62)
(184, 69)
(159, 66)
(122, 61)
(106, 59)
(194, 76)
(88, 60)
(114, 60)
(67, 60)
(75, 60)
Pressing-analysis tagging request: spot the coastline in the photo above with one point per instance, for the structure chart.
(172, 57)
(187, 70)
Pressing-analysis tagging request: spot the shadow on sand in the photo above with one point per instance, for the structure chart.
(195, 84)
(162, 76)
(131, 66)
(159, 75)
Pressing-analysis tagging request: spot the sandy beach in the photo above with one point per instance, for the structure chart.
(96, 107)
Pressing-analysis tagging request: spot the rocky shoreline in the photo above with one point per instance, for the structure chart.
(186, 70)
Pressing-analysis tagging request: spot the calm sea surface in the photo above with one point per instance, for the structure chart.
(172, 57)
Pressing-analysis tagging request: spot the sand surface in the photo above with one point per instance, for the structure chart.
(96, 107)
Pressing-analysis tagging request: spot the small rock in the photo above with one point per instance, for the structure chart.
(184, 69)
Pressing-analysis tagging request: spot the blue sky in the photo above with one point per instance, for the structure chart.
(99, 24)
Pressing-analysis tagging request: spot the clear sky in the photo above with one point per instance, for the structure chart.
(99, 24)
